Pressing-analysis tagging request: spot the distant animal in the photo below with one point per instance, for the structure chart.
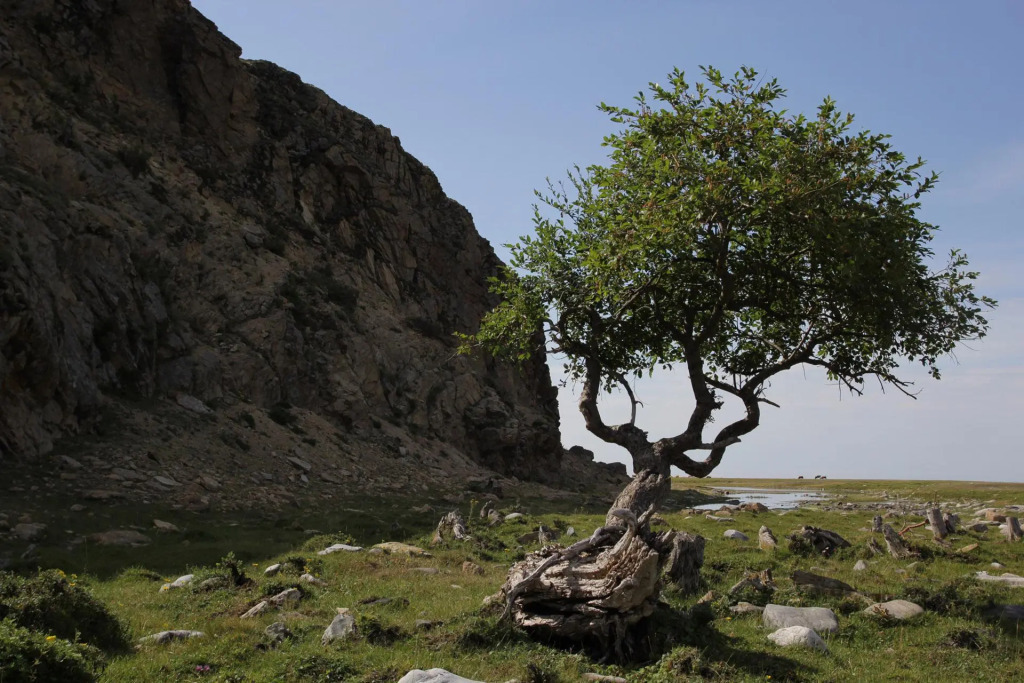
(800, 477)
(817, 476)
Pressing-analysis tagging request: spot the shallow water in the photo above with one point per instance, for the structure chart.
(777, 499)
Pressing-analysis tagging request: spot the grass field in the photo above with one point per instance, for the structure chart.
(952, 641)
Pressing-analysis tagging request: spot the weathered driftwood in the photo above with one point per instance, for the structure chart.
(766, 539)
(813, 583)
(820, 541)
(952, 521)
(486, 508)
(938, 525)
(1012, 531)
(494, 518)
(452, 525)
(912, 526)
(759, 582)
(897, 546)
(876, 524)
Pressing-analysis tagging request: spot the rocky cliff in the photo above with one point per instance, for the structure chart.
(210, 269)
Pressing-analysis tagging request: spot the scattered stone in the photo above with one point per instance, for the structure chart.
(168, 636)
(193, 404)
(165, 527)
(754, 507)
(278, 632)
(571, 531)
(299, 463)
(508, 518)
(746, 608)
(434, 676)
(998, 565)
(31, 531)
(423, 624)
(472, 568)
(1007, 578)
(766, 539)
(309, 578)
(895, 609)
(1012, 615)
(736, 535)
(213, 583)
(993, 516)
(340, 547)
(817, 618)
(165, 481)
(343, 625)
(426, 570)
(968, 548)
(119, 537)
(980, 527)
(256, 610)
(602, 678)
(800, 636)
(102, 494)
(860, 566)
(179, 582)
(708, 597)
(208, 482)
(376, 551)
(272, 570)
(290, 595)
(814, 583)
(77, 507)
(403, 549)
(70, 463)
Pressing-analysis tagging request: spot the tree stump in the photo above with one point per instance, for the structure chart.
(876, 524)
(453, 525)
(820, 541)
(485, 509)
(937, 523)
(683, 556)
(897, 547)
(952, 521)
(874, 547)
(766, 539)
(1013, 530)
(593, 592)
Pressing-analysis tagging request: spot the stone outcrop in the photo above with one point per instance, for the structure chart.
(192, 243)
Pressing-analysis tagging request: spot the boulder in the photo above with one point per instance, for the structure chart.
(746, 608)
(821, 619)
(169, 636)
(799, 636)
(119, 537)
(736, 535)
(340, 547)
(895, 609)
(343, 626)
(31, 531)
(403, 549)
(179, 582)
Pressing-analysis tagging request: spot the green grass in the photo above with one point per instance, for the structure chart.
(470, 642)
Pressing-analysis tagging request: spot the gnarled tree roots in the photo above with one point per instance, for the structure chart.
(598, 591)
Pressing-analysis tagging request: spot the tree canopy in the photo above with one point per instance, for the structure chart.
(733, 238)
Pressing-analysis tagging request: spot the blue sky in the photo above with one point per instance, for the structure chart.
(497, 96)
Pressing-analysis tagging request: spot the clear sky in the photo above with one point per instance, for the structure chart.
(497, 96)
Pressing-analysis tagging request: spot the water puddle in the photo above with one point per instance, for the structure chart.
(776, 499)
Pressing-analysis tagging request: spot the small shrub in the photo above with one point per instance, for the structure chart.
(378, 633)
(51, 604)
(29, 657)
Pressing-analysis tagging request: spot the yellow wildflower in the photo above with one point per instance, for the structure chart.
(50, 639)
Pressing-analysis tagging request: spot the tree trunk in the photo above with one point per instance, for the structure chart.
(937, 523)
(1013, 531)
(600, 591)
(452, 525)
(897, 547)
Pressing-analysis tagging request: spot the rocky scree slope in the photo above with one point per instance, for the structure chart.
(208, 267)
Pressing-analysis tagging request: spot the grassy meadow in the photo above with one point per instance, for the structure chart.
(424, 612)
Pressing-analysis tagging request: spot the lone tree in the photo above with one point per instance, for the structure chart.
(737, 240)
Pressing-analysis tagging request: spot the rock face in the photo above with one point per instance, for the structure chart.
(191, 243)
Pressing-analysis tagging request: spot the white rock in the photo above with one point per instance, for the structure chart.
(272, 570)
(508, 517)
(344, 625)
(817, 618)
(735, 535)
(860, 566)
(895, 609)
(340, 547)
(309, 578)
(1007, 578)
(194, 404)
(179, 582)
(798, 636)
(168, 636)
(257, 609)
(289, 595)
(165, 527)
(434, 676)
